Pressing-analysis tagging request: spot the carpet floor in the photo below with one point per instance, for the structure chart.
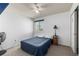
(52, 51)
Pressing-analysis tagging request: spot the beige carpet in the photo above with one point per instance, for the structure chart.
(52, 51)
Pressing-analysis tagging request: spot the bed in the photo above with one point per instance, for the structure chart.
(37, 46)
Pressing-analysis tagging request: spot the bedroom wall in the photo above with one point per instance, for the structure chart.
(62, 20)
(16, 26)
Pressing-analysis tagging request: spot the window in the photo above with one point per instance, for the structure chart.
(38, 25)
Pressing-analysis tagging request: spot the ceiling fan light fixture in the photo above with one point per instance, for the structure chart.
(37, 8)
(37, 11)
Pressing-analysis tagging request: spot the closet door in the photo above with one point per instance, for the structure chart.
(74, 32)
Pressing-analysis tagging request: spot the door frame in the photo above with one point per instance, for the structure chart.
(76, 10)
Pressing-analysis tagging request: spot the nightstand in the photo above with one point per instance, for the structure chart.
(55, 40)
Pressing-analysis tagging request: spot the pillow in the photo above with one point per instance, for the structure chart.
(40, 35)
(47, 36)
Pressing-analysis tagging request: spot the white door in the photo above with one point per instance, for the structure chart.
(74, 32)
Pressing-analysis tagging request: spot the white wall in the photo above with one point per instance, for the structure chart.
(62, 20)
(15, 25)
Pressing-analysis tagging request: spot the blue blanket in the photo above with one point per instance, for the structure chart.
(36, 46)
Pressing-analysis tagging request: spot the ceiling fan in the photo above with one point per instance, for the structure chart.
(37, 8)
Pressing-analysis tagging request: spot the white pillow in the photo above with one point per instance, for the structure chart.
(40, 35)
(47, 36)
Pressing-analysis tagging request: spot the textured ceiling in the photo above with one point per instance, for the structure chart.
(46, 9)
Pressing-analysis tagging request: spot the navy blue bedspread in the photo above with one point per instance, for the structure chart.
(37, 46)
